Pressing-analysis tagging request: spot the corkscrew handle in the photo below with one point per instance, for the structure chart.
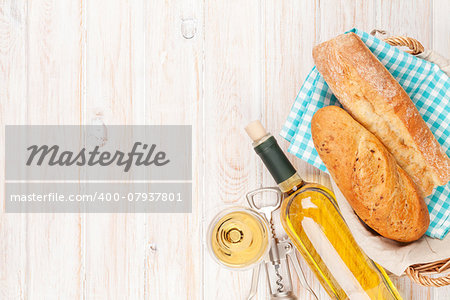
(265, 210)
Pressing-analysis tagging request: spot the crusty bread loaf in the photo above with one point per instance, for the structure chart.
(375, 99)
(377, 188)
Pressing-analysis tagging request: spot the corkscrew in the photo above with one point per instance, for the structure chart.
(281, 251)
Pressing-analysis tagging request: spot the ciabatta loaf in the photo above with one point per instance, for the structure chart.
(375, 99)
(376, 187)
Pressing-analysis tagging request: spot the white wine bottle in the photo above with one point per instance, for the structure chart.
(312, 220)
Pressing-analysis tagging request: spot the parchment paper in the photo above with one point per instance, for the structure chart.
(393, 256)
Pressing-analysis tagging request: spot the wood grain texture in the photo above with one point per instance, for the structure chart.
(13, 91)
(440, 25)
(53, 93)
(174, 83)
(232, 95)
(337, 17)
(410, 18)
(115, 245)
(213, 64)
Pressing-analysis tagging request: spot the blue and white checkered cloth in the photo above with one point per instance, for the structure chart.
(425, 83)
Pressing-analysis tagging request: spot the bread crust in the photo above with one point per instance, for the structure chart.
(377, 188)
(375, 99)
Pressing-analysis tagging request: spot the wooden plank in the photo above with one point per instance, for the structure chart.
(13, 91)
(441, 25)
(336, 17)
(232, 93)
(53, 97)
(42, 80)
(290, 33)
(173, 81)
(409, 18)
(54, 69)
(115, 244)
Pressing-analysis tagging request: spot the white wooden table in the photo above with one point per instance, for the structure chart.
(213, 64)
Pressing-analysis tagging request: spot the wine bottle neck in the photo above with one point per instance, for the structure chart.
(291, 184)
(277, 163)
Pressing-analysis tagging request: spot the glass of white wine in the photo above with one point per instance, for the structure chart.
(238, 238)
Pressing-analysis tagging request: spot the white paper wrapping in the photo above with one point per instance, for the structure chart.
(393, 256)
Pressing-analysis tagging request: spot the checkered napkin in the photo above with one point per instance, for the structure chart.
(425, 83)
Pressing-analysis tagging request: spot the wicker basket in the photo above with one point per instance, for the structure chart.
(423, 274)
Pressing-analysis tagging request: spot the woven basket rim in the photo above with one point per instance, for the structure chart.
(424, 274)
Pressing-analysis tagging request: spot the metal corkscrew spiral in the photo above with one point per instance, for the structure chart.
(272, 229)
(279, 281)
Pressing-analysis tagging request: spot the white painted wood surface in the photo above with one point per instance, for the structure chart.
(127, 62)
